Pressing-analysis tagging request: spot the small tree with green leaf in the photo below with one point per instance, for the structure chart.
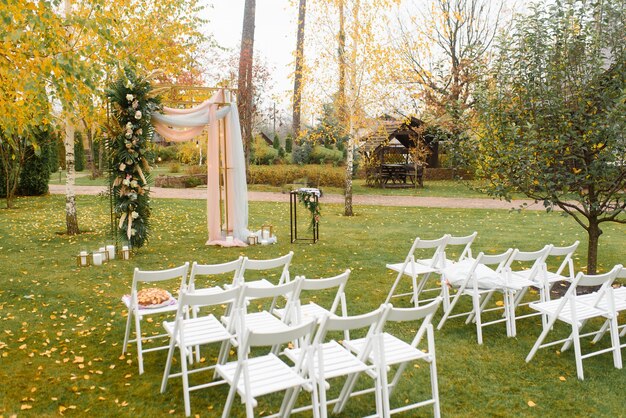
(552, 117)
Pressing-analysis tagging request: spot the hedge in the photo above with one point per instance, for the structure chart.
(279, 175)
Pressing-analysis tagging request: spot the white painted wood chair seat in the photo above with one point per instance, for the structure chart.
(583, 310)
(268, 374)
(337, 360)
(396, 351)
(199, 331)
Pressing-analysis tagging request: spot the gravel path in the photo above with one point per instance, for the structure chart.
(374, 200)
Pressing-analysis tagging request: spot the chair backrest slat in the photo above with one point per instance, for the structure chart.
(264, 339)
(282, 261)
(413, 314)
(467, 241)
(338, 323)
(209, 299)
(326, 283)
(270, 292)
(161, 275)
(598, 279)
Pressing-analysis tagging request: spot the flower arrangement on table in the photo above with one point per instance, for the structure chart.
(127, 143)
(307, 197)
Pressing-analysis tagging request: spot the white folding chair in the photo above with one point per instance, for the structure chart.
(213, 270)
(466, 252)
(564, 273)
(265, 320)
(265, 374)
(395, 352)
(315, 311)
(187, 333)
(415, 267)
(619, 295)
(145, 277)
(576, 310)
(474, 278)
(519, 279)
(251, 269)
(332, 360)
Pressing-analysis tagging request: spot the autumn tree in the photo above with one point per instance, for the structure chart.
(552, 116)
(298, 74)
(443, 47)
(244, 84)
(352, 49)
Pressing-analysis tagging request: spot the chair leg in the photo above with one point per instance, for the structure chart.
(617, 351)
(577, 352)
(542, 337)
(229, 399)
(602, 331)
(127, 332)
(433, 373)
(479, 326)
(450, 308)
(222, 356)
(183, 364)
(139, 343)
(415, 292)
(168, 365)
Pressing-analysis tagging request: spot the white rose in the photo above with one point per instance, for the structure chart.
(129, 134)
(138, 115)
(134, 215)
(126, 182)
(128, 144)
(134, 184)
(130, 97)
(135, 104)
(129, 126)
(133, 231)
(122, 167)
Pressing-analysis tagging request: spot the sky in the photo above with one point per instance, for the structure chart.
(274, 36)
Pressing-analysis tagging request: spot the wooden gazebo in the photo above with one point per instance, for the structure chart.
(396, 153)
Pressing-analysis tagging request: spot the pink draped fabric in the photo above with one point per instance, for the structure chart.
(214, 221)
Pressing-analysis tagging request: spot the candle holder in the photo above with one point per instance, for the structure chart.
(253, 240)
(267, 231)
(83, 259)
(124, 252)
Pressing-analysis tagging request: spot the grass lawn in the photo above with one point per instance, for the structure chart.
(63, 325)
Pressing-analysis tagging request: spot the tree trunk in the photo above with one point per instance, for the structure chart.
(343, 113)
(297, 79)
(594, 233)
(244, 84)
(71, 217)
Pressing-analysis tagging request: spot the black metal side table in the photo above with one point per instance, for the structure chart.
(293, 216)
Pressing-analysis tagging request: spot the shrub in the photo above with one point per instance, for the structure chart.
(188, 152)
(165, 153)
(35, 173)
(79, 152)
(263, 153)
(288, 144)
(317, 175)
(192, 182)
(196, 169)
(323, 155)
(276, 142)
(174, 168)
(301, 153)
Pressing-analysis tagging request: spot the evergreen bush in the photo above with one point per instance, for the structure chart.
(79, 152)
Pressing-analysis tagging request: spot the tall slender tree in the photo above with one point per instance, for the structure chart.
(245, 90)
(297, 78)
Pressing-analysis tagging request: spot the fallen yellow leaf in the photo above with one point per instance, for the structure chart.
(562, 378)
(531, 404)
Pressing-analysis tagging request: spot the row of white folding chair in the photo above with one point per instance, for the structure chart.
(188, 333)
(179, 274)
(576, 310)
(372, 355)
(414, 266)
(513, 283)
(262, 321)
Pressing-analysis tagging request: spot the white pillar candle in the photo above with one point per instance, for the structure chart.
(97, 259)
(265, 234)
(111, 251)
(83, 258)
(229, 239)
(125, 252)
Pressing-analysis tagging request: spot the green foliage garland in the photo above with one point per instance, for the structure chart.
(313, 206)
(127, 144)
